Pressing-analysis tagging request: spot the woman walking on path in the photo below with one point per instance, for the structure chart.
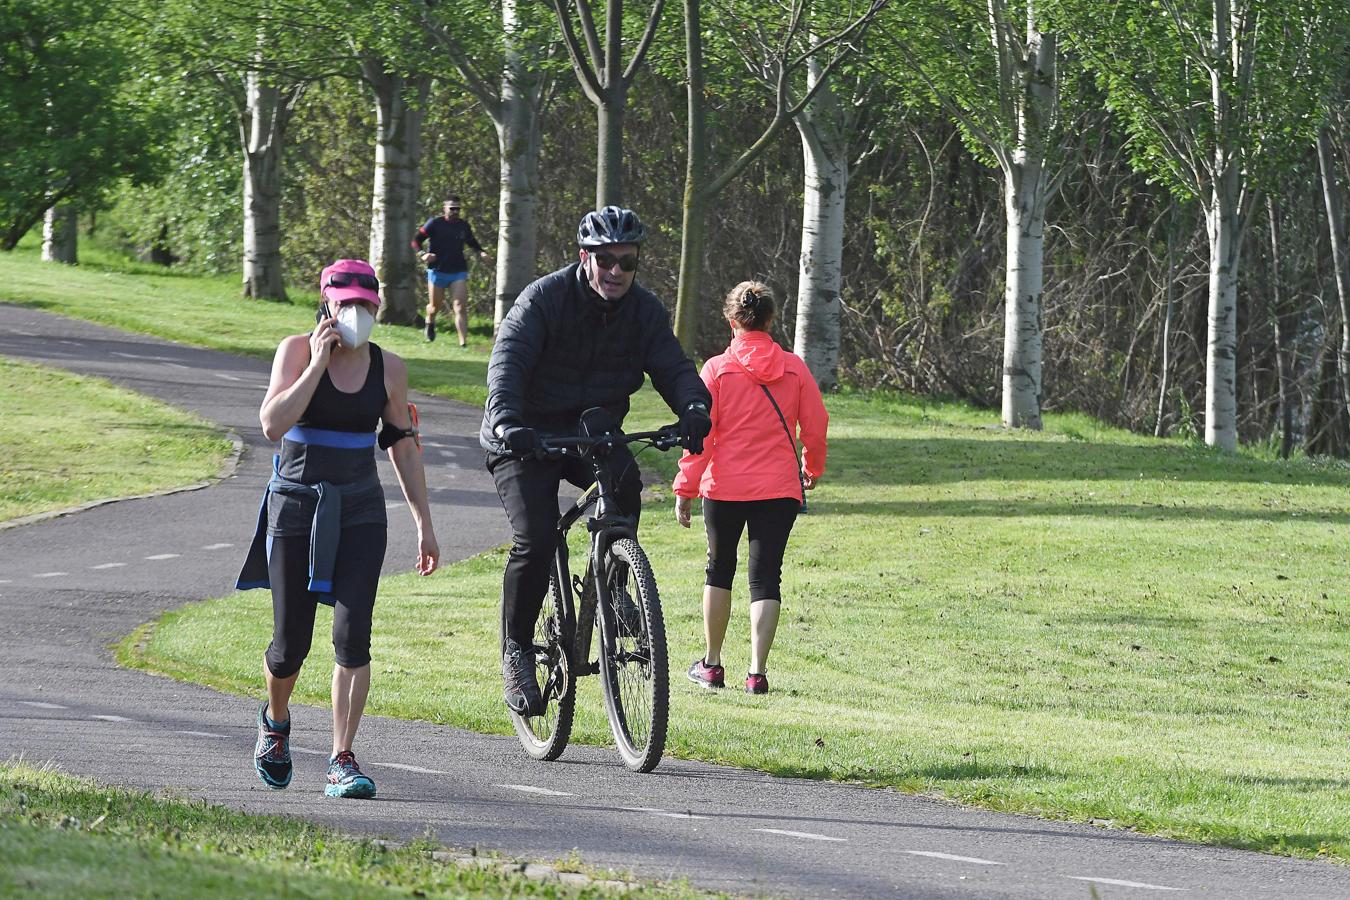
(322, 527)
(748, 475)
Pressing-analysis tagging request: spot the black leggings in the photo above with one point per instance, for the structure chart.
(529, 492)
(356, 575)
(770, 523)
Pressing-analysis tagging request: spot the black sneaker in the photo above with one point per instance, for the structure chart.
(431, 329)
(521, 687)
(272, 753)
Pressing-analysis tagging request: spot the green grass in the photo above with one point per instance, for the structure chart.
(70, 439)
(1080, 623)
(209, 312)
(67, 837)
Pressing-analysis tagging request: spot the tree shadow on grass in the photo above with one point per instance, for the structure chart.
(1023, 509)
(939, 460)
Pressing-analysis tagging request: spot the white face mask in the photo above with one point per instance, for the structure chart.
(354, 324)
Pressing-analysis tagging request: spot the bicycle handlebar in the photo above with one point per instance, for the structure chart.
(581, 445)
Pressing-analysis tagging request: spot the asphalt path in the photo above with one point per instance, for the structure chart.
(72, 585)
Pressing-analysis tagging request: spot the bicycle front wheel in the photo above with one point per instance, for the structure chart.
(545, 736)
(634, 671)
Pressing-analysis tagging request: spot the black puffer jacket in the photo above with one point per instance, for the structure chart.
(560, 351)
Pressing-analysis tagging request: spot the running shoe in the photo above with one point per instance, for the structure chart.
(345, 778)
(704, 675)
(756, 683)
(272, 753)
(521, 687)
(431, 329)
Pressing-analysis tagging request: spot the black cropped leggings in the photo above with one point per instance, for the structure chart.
(355, 577)
(769, 523)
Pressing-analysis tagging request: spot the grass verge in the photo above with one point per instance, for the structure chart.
(71, 439)
(1080, 623)
(68, 837)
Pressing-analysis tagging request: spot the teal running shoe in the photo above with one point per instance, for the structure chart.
(272, 753)
(345, 778)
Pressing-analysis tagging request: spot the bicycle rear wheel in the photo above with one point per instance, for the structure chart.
(545, 737)
(634, 671)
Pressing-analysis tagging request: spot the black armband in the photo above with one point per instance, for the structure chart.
(392, 434)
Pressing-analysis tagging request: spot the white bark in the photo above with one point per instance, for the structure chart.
(400, 107)
(1222, 222)
(1024, 207)
(1026, 191)
(262, 131)
(1340, 255)
(823, 126)
(59, 235)
(518, 139)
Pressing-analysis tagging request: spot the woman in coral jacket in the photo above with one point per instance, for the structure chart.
(748, 475)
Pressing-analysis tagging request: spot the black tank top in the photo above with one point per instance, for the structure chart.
(333, 410)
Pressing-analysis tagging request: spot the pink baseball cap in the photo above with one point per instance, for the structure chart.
(349, 280)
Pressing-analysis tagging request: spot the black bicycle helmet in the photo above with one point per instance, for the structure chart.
(611, 225)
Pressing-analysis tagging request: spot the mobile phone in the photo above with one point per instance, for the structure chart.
(323, 313)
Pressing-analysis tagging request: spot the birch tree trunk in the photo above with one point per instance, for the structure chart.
(262, 131)
(1340, 259)
(1222, 222)
(1282, 371)
(60, 237)
(400, 107)
(824, 132)
(1024, 208)
(1160, 424)
(518, 139)
(687, 303)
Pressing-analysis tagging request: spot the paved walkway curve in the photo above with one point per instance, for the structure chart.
(72, 585)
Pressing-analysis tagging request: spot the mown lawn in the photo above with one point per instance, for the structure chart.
(68, 837)
(70, 440)
(1079, 623)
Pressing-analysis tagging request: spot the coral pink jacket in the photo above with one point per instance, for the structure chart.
(747, 456)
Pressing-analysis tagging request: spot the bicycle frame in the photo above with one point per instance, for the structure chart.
(605, 525)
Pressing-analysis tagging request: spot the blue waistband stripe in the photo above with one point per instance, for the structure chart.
(344, 440)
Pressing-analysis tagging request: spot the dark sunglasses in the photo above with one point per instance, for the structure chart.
(628, 262)
(347, 279)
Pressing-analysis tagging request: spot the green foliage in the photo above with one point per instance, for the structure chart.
(1195, 100)
(72, 116)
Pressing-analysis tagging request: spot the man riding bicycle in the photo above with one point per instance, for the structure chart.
(578, 338)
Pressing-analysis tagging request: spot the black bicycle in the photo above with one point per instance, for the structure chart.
(619, 585)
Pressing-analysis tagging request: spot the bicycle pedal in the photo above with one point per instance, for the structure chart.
(578, 585)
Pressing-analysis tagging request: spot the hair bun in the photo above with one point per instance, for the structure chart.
(749, 300)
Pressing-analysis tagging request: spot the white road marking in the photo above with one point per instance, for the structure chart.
(40, 705)
(227, 377)
(216, 546)
(202, 734)
(1121, 883)
(111, 718)
(141, 356)
(801, 834)
(109, 566)
(49, 574)
(6, 581)
(531, 789)
(176, 365)
(954, 858)
(653, 811)
(163, 556)
(392, 505)
(418, 769)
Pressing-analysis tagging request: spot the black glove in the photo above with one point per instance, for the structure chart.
(694, 427)
(520, 441)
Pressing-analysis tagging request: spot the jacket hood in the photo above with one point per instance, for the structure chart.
(759, 355)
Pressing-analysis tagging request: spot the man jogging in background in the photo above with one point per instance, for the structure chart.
(581, 337)
(446, 265)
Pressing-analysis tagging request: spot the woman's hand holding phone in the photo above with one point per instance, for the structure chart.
(323, 338)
